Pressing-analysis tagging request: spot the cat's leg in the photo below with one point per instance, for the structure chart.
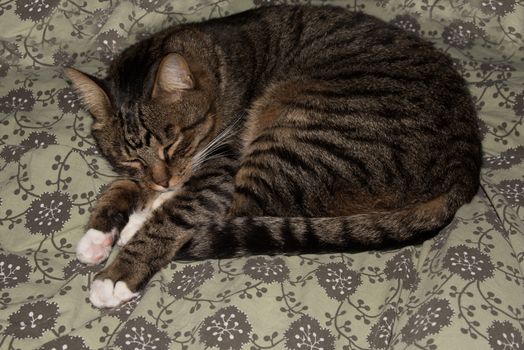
(110, 215)
(205, 196)
(139, 217)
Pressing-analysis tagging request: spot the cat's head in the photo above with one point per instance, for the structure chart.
(157, 136)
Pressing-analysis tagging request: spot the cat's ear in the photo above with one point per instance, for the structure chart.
(91, 92)
(173, 75)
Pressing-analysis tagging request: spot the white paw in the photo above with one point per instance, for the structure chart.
(95, 246)
(106, 294)
(136, 220)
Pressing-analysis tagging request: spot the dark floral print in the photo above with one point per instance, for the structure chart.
(32, 320)
(429, 319)
(306, 333)
(381, 332)
(20, 99)
(4, 68)
(337, 280)
(39, 139)
(228, 328)
(68, 100)
(469, 263)
(267, 270)
(125, 310)
(13, 153)
(35, 10)
(504, 336)
(401, 267)
(14, 269)
(294, 304)
(76, 267)
(498, 7)
(108, 44)
(63, 59)
(518, 107)
(461, 34)
(505, 160)
(48, 213)
(189, 279)
(65, 343)
(487, 67)
(151, 5)
(140, 334)
(513, 191)
(407, 22)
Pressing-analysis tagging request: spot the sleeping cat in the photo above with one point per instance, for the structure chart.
(280, 130)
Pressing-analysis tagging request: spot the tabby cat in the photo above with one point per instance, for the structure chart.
(291, 129)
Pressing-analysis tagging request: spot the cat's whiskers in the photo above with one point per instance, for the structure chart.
(219, 140)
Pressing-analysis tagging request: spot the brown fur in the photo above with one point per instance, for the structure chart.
(292, 129)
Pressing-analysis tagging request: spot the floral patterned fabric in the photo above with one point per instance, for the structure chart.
(463, 289)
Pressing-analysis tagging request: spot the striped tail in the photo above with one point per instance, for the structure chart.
(301, 235)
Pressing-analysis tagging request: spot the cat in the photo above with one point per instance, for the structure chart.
(280, 130)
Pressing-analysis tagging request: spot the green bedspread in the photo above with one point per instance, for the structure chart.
(463, 289)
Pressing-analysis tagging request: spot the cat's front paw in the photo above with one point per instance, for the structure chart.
(136, 220)
(95, 246)
(105, 293)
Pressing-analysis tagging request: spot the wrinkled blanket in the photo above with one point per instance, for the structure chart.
(462, 289)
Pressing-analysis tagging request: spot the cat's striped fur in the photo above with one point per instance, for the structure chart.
(342, 132)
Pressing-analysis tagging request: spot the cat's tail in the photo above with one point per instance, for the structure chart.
(273, 235)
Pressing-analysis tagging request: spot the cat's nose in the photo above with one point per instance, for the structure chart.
(160, 174)
(163, 183)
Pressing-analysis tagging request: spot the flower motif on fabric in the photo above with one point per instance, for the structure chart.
(461, 34)
(108, 44)
(122, 312)
(337, 280)
(39, 139)
(13, 153)
(488, 67)
(513, 191)
(100, 17)
(150, 5)
(4, 67)
(518, 107)
(190, 278)
(140, 334)
(63, 59)
(32, 320)
(505, 160)
(504, 336)
(65, 343)
(306, 333)
(406, 22)
(14, 269)
(381, 332)
(268, 270)
(35, 10)
(76, 267)
(498, 7)
(20, 99)
(48, 213)
(228, 328)
(68, 100)
(469, 263)
(401, 267)
(430, 318)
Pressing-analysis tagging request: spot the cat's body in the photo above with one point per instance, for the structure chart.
(337, 131)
